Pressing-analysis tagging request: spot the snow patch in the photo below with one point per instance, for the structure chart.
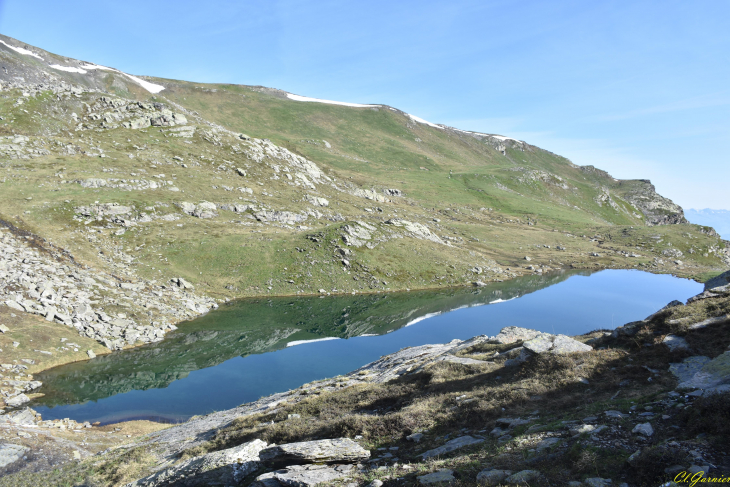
(68, 69)
(22, 51)
(329, 102)
(151, 87)
(498, 137)
(300, 342)
(420, 120)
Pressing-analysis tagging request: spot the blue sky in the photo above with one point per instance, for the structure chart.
(639, 88)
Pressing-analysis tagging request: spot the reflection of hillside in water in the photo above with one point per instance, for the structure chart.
(254, 326)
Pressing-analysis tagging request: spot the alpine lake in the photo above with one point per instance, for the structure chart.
(255, 347)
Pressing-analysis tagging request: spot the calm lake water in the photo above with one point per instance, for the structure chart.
(255, 347)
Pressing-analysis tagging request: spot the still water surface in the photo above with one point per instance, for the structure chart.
(255, 347)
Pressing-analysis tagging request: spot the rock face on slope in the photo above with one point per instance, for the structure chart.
(657, 209)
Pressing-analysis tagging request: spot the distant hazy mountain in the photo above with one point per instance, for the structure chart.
(717, 219)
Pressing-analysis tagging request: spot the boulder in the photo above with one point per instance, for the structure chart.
(318, 451)
(18, 400)
(452, 445)
(512, 334)
(713, 373)
(643, 429)
(225, 467)
(492, 477)
(523, 477)
(444, 475)
(558, 344)
(674, 343)
(10, 453)
(303, 475)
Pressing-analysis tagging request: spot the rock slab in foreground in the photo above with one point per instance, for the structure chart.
(303, 475)
(225, 467)
(335, 450)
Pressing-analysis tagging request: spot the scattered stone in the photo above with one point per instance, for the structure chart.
(4, 329)
(675, 343)
(415, 437)
(523, 477)
(597, 482)
(492, 477)
(452, 445)
(643, 429)
(444, 475)
(91, 354)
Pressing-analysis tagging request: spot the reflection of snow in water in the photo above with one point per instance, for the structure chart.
(424, 317)
(300, 342)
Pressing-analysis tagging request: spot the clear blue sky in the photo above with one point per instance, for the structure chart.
(639, 88)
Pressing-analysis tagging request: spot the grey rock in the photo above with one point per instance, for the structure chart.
(615, 414)
(713, 373)
(415, 437)
(547, 443)
(91, 354)
(598, 482)
(643, 429)
(674, 343)
(4, 329)
(22, 417)
(558, 344)
(452, 445)
(376, 483)
(512, 334)
(582, 428)
(304, 475)
(440, 476)
(492, 477)
(523, 477)
(318, 451)
(685, 370)
(18, 400)
(10, 453)
(225, 467)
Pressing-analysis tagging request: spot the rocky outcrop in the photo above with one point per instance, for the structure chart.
(657, 209)
(225, 467)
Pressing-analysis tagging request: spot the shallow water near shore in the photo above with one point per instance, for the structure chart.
(254, 347)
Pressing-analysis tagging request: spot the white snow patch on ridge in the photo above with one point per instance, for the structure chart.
(68, 69)
(151, 87)
(300, 342)
(22, 51)
(329, 102)
(420, 120)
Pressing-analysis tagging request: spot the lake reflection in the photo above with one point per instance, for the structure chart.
(254, 347)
